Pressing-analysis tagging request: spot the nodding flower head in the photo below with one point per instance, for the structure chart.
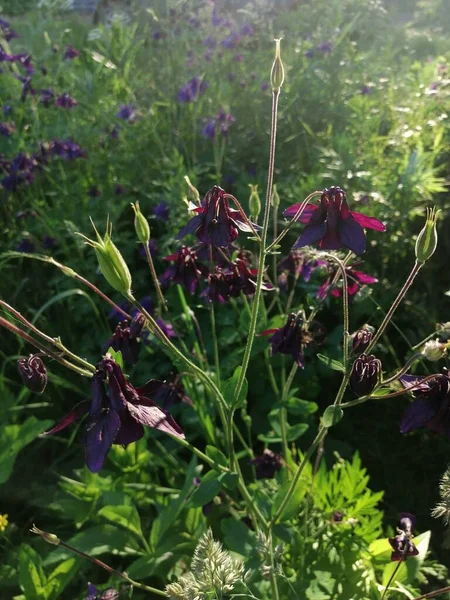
(402, 545)
(332, 224)
(365, 375)
(185, 270)
(290, 339)
(215, 222)
(267, 464)
(33, 373)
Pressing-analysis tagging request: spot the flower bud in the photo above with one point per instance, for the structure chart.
(193, 191)
(361, 340)
(136, 325)
(33, 373)
(141, 225)
(275, 197)
(427, 239)
(51, 538)
(254, 201)
(277, 74)
(365, 375)
(111, 262)
(434, 350)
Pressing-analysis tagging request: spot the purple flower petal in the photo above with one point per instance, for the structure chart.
(130, 430)
(100, 436)
(363, 277)
(149, 414)
(76, 413)
(190, 227)
(351, 234)
(368, 222)
(92, 592)
(420, 412)
(311, 234)
(306, 214)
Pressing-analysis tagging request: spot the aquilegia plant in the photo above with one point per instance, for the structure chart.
(282, 531)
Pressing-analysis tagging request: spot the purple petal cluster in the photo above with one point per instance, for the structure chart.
(71, 53)
(355, 280)
(290, 339)
(7, 32)
(67, 149)
(161, 211)
(267, 464)
(219, 124)
(186, 270)
(65, 101)
(127, 112)
(193, 89)
(19, 171)
(232, 280)
(93, 593)
(402, 545)
(125, 339)
(116, 414)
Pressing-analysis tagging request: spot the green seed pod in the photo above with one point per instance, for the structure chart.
(275, 197)
(277, 74)
(141, 225)
(254, 201)
(427, 239)
(111, 262)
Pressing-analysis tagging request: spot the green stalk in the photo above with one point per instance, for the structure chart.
(161, 300)
(283, 411)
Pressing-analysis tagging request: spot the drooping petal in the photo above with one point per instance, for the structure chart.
(241, 223)
(352, 235)
(147, 413)
(368, 222)
(92, 592)
(414, 380)
(352, 288)
(306, 214)
(418, 414)
(100, 435)
(311, 234)
(190, 227)
(130, 430)
(76, 413)
(363, 277)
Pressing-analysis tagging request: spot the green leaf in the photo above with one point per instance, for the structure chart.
(322, 587)
(126, 516)
(229, 388)
(229, 480)
(295, 431)
(238, 537)
(299, 407)
(331, 363)
(216, 455)
(32, 578)
(332, 415)
(15, 437)
(116, 356)
(208, 489)
(414, 563)
(293, 506)
(61, 577)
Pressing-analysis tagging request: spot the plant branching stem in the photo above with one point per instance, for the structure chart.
(159, 294)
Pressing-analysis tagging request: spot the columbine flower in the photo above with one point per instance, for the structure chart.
(361, 340)
(47, 96)
(332, 224)
(229, 281)
(33, 373)
(115, 415)
(71, 53)
(65, 101)
(431, 407)
(192, 90)
(93, 593)
(401, 544)
(355, 280)
(365, 375)
(124, 340)
(290, 339)
(215, 222)
(67, 149)
(267, 464)
(161, 211)
(19, 171)
(166, 393)
(186, 270)
(127, 112)
(8, 33)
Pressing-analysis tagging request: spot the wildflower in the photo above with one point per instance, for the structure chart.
(94, 192)
(167, 328)
(325, 47)
(309, 53)
(361, 340)
(290, 339)
(365, 375)
(431, 406)
(26, 246)
(402, 545)
(186, 270)
(165, 393)
(246, 29)
(332, 224)
(48, 242)
(7, 32)
(124, 340)
(33, 373)
(215, 223)
(67, 149)
(7, 109)
(337, 516)
(93, 593)
(300, 264)
(434, 350)
(115, 415)
(71, 53)
(354, 278)
(19, 171)
(3, 522)
(7, 129)
(47, 96)
(232, 279)
(65, 101)
(231, 41)
(127, 113)
(267, 464)
(27, 89)
(209, 130)
(161, 211)
(194, 88)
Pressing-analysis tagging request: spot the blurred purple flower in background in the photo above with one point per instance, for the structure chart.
(246, 29)
(161, 211)
(6, 129)
(65, 101)
(71, 53)
(47, 96)
(25, 245)
(325, 47)
(67, 149)
(192, 90)
(127, 112)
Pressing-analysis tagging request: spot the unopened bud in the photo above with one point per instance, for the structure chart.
(137, 325)
(141, 225)
(33, 373)
(275, 197)
(434, 350)
(365, 375)
(277, 74)
(254, 201)
(51, 538)
(193, 191)
(361, 340)
(427, 239)
(111, 262)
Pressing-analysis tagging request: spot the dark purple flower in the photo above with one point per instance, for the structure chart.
(186, 270)
(19, 171)
(115, 314)
(365, 374)
(325, 47)
(229, 281)
(165, 393)
(25, 60)
(93, 593)
(7, 129)
(47, 97)
(33, 373)
(210, 42)
(116, 414)
(332, 224)
(267, 464)
(365, 90)
(7, 109)
(246, 29)
(119, 189)
(431, 406)
(209, 130)
(65, 101)
(265, 86)
(231, 41)
(71, 53)
(402, 545)
(26, 87)
(309, 53)
(337, 516)
(361, 340)
(215, 223)
(26, 245)
(8, 33)
(124, 340)
(48, 242)
(290, 339)
(355, 279)
(216, 20)
(299, 264)
(67, 149)
(94, 192)
(161, 211)
(43, 70)
(127, 112)
(167, 328)
(192, 90)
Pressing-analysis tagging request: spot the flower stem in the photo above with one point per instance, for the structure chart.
(434, 594)
(416, 268)
(283, 411)
(200, 454)
(405, 368)
(159, 294)
(262, 250)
